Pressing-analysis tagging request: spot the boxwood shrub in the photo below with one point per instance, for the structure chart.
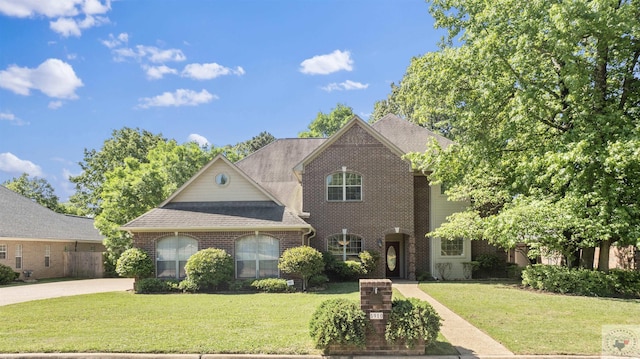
(411, 321)
(272, 285)
(7, 275)
(209, 268)
(155, 285)
(339, 321)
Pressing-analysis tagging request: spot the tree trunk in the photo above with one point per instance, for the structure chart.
(588, 257)
(603, 260)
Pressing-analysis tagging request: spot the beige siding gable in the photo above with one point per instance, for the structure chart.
(203, 187)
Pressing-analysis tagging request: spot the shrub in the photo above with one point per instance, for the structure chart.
(134, 263)
(580, 281)
(188, 286)
(303, 261)
(154, 285)
(338, 321)
(7, 275)
(208, 268)
(369, 261)
(350, 270)
(272, 285)
(412, 320)
(318, 281)
(240, 285)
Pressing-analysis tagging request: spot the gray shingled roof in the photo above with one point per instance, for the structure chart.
(407, 135)
(272, 167)
(185, 216)
(21, 217)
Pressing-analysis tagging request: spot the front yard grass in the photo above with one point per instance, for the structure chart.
(529, 322)
(171, 323)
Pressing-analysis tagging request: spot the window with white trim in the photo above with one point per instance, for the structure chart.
(3, 251)
(172, 255)
(257, 257)
(345, 246)
(18, 256)
(453, 247)
(344, 186)
(47, 255)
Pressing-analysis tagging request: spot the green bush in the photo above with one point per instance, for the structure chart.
(369, 260)
(240, 285)
(303, 261)
(338, 321)
(134, 263)
(318, 281)
(558, 279)
(209, 268)
(272, 285)
(188, 286)
(7, 275)
(412, 320)
(350, 270)
(154, 285)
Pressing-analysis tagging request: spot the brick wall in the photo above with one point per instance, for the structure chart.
(421, 219)
(387, 194)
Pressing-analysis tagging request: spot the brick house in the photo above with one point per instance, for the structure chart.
(39, 243)
(348, 193)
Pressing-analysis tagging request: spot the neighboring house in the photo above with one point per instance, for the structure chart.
(40, 243)
(345, 194)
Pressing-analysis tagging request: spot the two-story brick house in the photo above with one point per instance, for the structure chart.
(348, 193)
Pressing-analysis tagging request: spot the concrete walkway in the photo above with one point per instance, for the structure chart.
(25, 293)
(467, 339)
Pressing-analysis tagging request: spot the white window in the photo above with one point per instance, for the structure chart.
(344, 186)
(453, 247)
(173, 253)
(345, 246)
(3, 251)
(47, 255)
(18, 256)
(257, 257)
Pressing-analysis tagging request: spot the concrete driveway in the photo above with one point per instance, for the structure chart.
(25, 293)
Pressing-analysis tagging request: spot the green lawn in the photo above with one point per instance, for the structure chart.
(529, 322)
(172, 323)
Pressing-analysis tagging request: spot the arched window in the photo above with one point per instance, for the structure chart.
(172, 255)
(257, 257)
(344, 186)
(345, 246)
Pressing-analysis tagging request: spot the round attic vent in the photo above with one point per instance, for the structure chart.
(222, 179)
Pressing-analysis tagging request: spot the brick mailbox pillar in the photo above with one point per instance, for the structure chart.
(375, 301)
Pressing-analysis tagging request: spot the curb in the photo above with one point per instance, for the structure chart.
(276, 356)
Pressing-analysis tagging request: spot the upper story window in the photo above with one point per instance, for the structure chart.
(344, 186)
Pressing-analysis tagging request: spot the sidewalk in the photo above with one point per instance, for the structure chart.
(467, 339)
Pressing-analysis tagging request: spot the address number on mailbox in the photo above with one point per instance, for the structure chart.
(376, 316)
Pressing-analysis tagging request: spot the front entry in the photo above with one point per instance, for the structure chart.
(392, 256)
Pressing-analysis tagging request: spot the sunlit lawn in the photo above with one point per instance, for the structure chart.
(172, 323)
(530, 322)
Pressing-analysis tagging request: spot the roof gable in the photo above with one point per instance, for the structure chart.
(355, 121)
(202, 187)
(407, 135)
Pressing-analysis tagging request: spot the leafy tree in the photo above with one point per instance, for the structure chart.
(544, 101)
(124, 143)
(243, 149)
(304, 261)
(37, 189)
(325, 125)
(137, 186)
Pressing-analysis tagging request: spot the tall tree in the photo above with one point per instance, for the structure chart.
(544, 97)
(243, 149)
(326, 124)
(37, 189)
(123, 143)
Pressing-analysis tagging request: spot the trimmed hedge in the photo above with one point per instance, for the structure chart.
(339, 321)
(272, 285)
(7, 275)
(558, 279)
(208, 268)
(412, 321)
(155, 285)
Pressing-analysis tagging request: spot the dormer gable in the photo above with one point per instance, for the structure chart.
(220, 181)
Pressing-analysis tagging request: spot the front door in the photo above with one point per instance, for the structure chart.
(392, 255)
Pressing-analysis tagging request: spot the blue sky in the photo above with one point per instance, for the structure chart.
(220, 72)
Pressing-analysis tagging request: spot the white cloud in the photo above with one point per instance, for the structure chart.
(347, 85)
(209, 71)
(149, 53)
(158, 72)
(13, 119)
(64, 11)
(12, 164)
(54, 105)
(327, 64)
(54, 78)
(180, 97)
(200, 140)
(115, 41)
